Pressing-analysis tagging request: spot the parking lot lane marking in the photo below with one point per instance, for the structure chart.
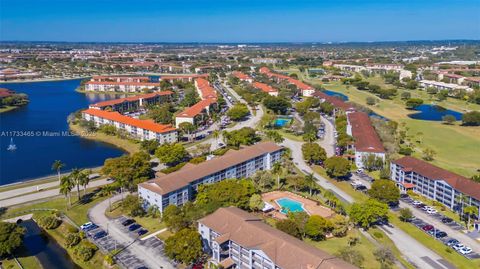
(432, 262)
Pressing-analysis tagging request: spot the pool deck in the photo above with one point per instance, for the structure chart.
(309, 205)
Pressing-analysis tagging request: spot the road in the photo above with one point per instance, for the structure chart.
(151, 258)
(328, 142)
(25, 195)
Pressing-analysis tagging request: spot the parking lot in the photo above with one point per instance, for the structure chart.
(432, 231)
(125, 258)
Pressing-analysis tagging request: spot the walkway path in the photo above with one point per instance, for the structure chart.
(154, 234)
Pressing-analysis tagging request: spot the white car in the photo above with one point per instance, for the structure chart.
(431, 211)
(457, 247)
(86, 225)
(416, 202)
(465, 250)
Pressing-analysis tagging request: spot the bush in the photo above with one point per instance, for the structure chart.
(85, 251)
(49, 222)
(378, 235)
(109, 260)
(72, 240)
(70, 228)
(220, 152)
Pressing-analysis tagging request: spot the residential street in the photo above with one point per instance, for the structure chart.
(147, 255)
(328, 142)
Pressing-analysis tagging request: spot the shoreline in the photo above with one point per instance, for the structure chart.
(42, 80)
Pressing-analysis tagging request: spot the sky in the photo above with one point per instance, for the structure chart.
(238, 21)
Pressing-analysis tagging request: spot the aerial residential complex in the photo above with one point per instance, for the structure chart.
(258, 85)
(237, 239)
(434, 182)
(198, 112)
(134, 102)
(136, 128)
(366, 138)
(179, 187)
(306, 90)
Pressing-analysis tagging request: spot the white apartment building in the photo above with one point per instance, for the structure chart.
(114, 86)
(179, 187)
(237, 239)
(139, 129)
(443, 86)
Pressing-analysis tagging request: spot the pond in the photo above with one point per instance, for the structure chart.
(336, 94)
(48, 252)
(433, 113)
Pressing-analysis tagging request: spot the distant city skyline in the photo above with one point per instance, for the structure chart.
(238, 21)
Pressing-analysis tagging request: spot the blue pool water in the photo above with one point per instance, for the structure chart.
(289, 205)
(280, 122)
(433, 113)
(336, 94)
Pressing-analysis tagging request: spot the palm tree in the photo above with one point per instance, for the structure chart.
(109, 190)
(461, 199)
(470, 211)
(310, 180)
(77, 178)
(216, 135)
(66, 186)
(57, 166)
(85, 180)
(277, 170)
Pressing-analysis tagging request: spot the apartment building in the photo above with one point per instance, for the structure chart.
(366, 138)
(199, 112)
(443, 86)
(257, 85)
(237, 239)
(119, 86)
(305, 89)
(139, 129)
(135, 102)
(179, 187)
(434, 182)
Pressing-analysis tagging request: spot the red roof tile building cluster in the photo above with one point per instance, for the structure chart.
(306, 89)
(366, 138)
(137, 100)
(258, 85)
(209, 97)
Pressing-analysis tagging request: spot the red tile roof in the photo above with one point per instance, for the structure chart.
(300, 85)
(458, 182)
(241, 75)
(206, 91)
(121, 78)
(143, 124)
(264, 87)
(131, 99)
(336, 102)
(173, 77)
(366, 139)
(6, 92)
(196, 109)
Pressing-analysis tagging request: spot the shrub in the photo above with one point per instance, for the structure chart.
(70, 228)
(378, 235)
(49, 222)
(448, 250)
(109, 260)
(85, 251)
(72, 240)
(173, 168)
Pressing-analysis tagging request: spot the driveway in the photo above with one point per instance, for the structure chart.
(140, 249)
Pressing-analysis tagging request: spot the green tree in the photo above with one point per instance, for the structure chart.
(310, 182)
(238, 112)
(300, 218)
(385, 191)
(385, 257)
(11, 238)
(371, 162)
(174, 218)
(162, 114)
(77, 176)
(337, 167)
(471, 118)
(340, 225)
(470, 211)
(449, 119)
(351, 256)
(187, 128)
(317, 227)
(149, 145)
(288, 226)
(413, 103)
(256, 203)
(184, 246)
(405, 214)
(274, 136)
(133, 206)
(229, 192)
(405, 95)
(368, 212)
(171, 154)
(278, 105)
(57, 166)
(371, 101)
(313, 153)
(66, 186)
(428, 154)
(244, 136)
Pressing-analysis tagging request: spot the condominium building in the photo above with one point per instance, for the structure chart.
(237, 239)
(134, 102)
(443, 86)
(434, 183)
(119, 86)
(179, 187)
(199, 112)
(305, 89)
(366, 138)
(140, 129)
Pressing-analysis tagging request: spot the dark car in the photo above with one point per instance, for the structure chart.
(427, 227)
(420, 205)
(447, 220)
(440, 234)
(142, 231)
(133, 227)
(403, 195)
(99, 235)
(452, 242)
(91, 227)
(361, 188)
(128, 222)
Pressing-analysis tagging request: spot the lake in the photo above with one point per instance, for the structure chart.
(37, 129)
(433, 113)
(336, 94)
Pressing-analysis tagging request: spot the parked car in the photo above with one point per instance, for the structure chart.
(99, 235)
(465, 250)
(128, 222)
(416, 202)
(427, 227)
(91, 227)
(458, 246)
(431, 211)
(86, 225)
(133, 227)
(142, 231)
(447, 220)
(452, 242)
(421, 205)
(440, 234)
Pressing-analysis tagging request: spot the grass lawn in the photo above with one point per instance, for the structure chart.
(7, 108)
(457, 155)
(28, 262)
(343, 185)
(365, 247)
(164, 235)
(128, 145)
(384, 240)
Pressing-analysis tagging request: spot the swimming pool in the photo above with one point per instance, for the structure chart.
(289, 205)
(280, 122)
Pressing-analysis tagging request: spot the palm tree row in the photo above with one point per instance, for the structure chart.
(77, 178)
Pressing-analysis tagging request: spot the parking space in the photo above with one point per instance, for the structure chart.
(438, 234)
